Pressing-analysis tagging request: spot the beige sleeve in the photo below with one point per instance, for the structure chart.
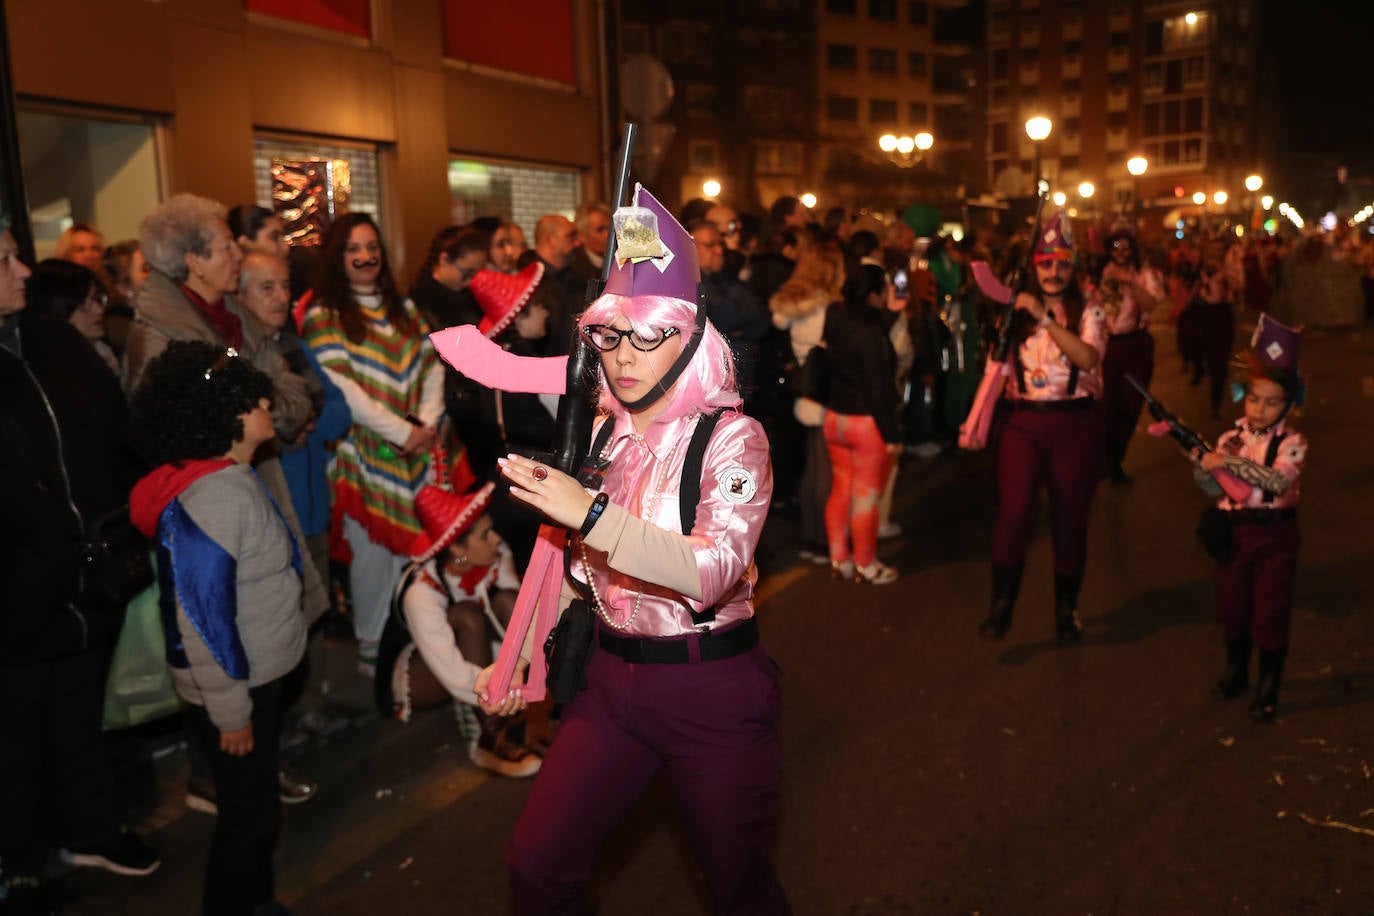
(643, 550)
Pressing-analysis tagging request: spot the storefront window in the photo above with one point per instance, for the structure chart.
(309, 183)
(519, 193)
(87, 170)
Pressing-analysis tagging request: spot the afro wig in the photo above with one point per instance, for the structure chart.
(189, 403)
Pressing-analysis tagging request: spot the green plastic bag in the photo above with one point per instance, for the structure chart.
(140, 686)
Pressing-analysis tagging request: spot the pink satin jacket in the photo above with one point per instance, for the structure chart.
(736, 490)
(1047, 370)
(1289, 462)
(1124, 315)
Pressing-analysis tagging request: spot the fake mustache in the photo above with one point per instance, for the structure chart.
(367, 264)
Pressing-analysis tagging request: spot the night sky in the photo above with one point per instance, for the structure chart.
(1320, 54)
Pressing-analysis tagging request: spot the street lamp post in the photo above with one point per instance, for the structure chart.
(906, 151)
(1136, 165)
(1038, 129)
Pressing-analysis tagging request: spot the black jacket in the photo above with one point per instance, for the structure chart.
(40, 533)
(862, 367)
(441, 306)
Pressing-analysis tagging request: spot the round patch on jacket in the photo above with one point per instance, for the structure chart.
(737, 485)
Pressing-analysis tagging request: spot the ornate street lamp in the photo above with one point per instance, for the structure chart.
(906, 151)
(1038, 130)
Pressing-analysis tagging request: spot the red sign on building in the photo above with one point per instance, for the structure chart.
(534, 38)
(351, 17)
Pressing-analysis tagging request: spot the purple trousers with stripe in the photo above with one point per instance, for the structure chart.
(1255, 589)
(1121, 403)
(712, 727)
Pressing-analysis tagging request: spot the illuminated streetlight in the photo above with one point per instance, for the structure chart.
(1199, 198)
(1137, 165)
(1059, 198)
(1254, 183)
(1038, 129)
(906, 150)
(808, 200)
(1086, 189)
(1283, 208)
(1190, 18)
(1266, 202)
(710, 188)
(1220, 198)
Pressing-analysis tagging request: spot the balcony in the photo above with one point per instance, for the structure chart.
(1118, 99)
(1118, 60)
(1071, 67)
(1073, 28)
(1070, 106)
(1119, 20)
(1116, 139)
(1070, 144)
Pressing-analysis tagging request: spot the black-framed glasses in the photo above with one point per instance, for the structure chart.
(223, 360)
(606, 338)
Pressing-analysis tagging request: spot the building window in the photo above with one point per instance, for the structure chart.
(999, 137)
(1151, 120)
(842, 7)
(841, 57)
(519, 193)
(1117, 119)
(916, 64)
(778, 158)
(1030, 56)
(918, 114)
(882, 111)
(999, 23)
(117, 161)
(1153, 77)
(882, 60)
(1171, 152)
(1001, 64)
(1173, 117)
(1154, 38)
(1072, 125)
(882, 10)
(1192, 114)
(1073, 48)
(1119, 40)
(918, 12)
(701, 98)
(1173, 76)
(1068, 163)
(1073, 86)
(634, 38)
(999, 97)
(1194, 70)
(1192, 150)
(704, 155)
(842, 108)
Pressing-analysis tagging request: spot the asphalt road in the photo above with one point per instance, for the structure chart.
(928, 771)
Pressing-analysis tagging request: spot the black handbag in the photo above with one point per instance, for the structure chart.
(811, 378)
(569, 650)
(1215, 532)
(118, 564)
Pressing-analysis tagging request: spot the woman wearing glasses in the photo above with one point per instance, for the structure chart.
(372, 344)
(679, 683)
(440, 289)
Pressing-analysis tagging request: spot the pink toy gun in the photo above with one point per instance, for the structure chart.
(1168, 424)
(973, 432)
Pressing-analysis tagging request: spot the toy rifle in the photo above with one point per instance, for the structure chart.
(1167, 423)
(1173, 426)
(973, 432)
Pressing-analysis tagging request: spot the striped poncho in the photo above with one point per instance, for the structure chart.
(383, 378)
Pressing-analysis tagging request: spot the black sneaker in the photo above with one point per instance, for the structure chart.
(127, 855)
(501, 754)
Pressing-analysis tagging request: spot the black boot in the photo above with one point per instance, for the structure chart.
(1236, 677)
(1266, 701)
(1006, 583)
(1067, 628)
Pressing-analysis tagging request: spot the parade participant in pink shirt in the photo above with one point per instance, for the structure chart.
(1053, 436)
(663, 525)
(1257, 568)
(1129, 293)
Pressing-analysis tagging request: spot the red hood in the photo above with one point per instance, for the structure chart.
(152, 494)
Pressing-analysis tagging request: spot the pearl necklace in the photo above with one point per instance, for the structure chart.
(647, 514)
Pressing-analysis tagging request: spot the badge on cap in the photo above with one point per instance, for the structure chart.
(737, 485)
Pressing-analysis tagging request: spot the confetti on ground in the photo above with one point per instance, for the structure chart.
(1364, 766)
(410, 860)
(1338, 825)
(383, 793)
(1321, 741)
(1366, 812)
(1278, 778)
(1008, 731)
(1228, 741)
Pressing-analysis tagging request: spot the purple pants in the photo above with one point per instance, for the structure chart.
(1255, 589)
(713, 727)
(1121, 403)
(1062, 452)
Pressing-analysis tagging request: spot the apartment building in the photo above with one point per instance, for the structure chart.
(899, 67)
(1172, 81)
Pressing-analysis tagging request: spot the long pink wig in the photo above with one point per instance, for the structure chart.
(708, 381)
